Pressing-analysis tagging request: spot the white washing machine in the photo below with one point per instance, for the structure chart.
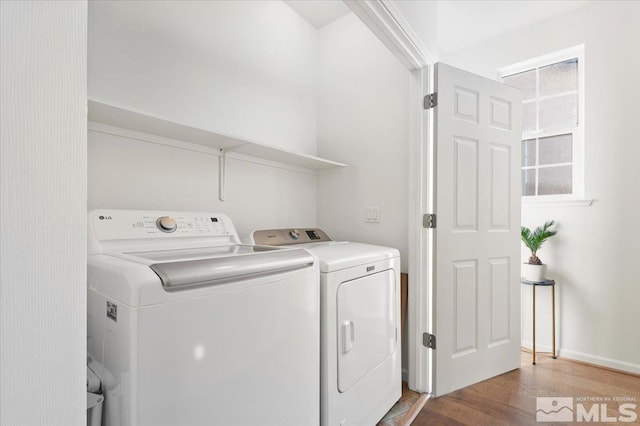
(194, 328)
(360, 324)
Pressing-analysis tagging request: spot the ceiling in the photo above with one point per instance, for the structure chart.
(319, 12)
(463, 23)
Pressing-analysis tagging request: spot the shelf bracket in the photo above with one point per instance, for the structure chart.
(222, 179)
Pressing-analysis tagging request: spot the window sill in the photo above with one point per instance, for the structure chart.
(573, 202)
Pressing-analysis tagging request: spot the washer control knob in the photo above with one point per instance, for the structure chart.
(166, 224)
(294, 234)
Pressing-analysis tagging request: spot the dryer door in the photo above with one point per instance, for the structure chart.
(367, 328)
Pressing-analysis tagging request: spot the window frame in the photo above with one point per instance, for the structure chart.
(577, 132)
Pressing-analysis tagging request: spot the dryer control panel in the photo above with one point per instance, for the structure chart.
(288, 236)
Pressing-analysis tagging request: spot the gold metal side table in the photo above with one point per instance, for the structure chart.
(545, 283)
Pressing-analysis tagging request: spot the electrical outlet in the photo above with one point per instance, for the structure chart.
(372, 214)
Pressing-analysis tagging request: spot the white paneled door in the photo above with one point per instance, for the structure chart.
(477, 238)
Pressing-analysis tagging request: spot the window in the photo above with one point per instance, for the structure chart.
(552, 123)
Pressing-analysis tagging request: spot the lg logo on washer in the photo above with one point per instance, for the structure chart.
(101, 217)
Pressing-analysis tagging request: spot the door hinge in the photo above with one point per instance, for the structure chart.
(429, 340)
(429, 221)
(430, 100)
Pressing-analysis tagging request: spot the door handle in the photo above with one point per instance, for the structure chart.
(348, 336)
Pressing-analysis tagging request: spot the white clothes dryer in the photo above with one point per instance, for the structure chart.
(194, 328)
(360, 370)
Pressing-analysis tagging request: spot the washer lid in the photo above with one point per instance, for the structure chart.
(153, 277)
(188, 273)
(195, 253)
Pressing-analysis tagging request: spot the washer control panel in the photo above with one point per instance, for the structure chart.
(166, 224)
(288, 236)
(130, 224)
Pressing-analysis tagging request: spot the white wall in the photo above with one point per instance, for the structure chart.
(242, 68)
(363, 104)
(278, 57)
(422, 17)
(594, 255)
(43, 128)
(129, 173)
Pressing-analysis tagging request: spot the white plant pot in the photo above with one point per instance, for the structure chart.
(534, 272)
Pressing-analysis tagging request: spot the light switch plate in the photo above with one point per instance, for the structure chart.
(372, 214)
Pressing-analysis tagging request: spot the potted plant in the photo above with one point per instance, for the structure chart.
(535, 270)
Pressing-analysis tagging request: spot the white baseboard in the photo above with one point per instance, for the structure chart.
(539, 347)
(591, 359)
(602, 361)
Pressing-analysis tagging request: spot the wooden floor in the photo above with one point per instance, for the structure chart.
(510, 399)
(396, 415)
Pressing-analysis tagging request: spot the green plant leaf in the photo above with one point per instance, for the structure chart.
(534, 240)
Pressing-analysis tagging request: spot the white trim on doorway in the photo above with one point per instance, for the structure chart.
(389, 25)
(385, 20)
